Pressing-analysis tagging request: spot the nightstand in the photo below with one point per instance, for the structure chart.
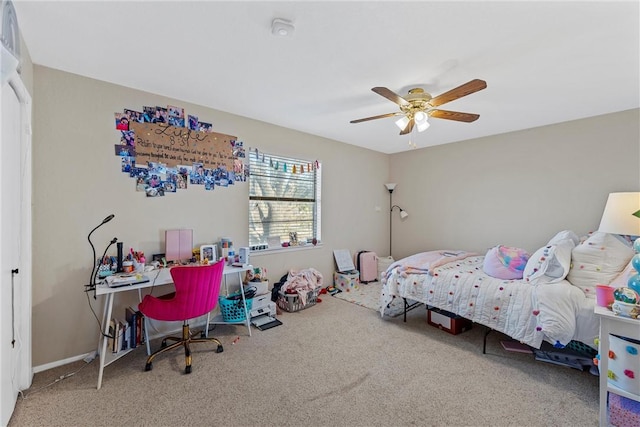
(622, 327)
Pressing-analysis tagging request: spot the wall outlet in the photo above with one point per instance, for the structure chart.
(89, 357)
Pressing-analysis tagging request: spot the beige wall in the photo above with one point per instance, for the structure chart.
(77, 182)
(516, 189)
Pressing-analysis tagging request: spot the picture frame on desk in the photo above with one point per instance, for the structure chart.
(208, 252)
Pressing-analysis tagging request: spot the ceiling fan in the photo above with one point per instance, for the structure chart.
(418, 105)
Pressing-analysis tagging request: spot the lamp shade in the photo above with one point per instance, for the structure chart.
(403, 214)
(618, 216)
(422, 126)
(391, 186)
(402, 122)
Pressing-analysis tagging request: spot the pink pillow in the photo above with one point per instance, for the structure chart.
(504, 262)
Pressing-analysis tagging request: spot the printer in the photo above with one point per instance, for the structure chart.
(262, 305)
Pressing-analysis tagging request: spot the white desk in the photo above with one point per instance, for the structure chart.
(621, 326)
(159, 277)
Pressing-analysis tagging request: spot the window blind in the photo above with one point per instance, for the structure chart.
(284, 198)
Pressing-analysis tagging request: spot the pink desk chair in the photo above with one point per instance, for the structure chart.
(197, 290)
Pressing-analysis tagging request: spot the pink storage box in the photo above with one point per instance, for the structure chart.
(623, 412)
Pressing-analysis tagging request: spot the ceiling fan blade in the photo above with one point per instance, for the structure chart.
(391, 96)
(454, 115)
(381, 116)
(464, 90)
(408, 128)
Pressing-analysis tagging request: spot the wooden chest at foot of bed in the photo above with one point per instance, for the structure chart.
(447, 321)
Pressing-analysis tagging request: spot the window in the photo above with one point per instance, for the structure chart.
(284, 198)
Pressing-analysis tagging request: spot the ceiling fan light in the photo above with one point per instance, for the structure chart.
(422, 126)
(402, 122)
(420, 117)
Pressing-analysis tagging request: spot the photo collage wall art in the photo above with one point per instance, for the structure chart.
(156, 179)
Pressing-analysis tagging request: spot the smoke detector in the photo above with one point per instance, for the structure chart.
(282, 28)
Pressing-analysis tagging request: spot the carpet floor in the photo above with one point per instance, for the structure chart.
(333, 364)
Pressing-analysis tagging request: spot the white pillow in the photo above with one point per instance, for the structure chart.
(549, 264)
(563, 236)
(598, 261)
(622, 279)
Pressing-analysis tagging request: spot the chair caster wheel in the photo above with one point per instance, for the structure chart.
(187, 369)
(219, 349)
(202, 334)
(148, 367)
(163, 344)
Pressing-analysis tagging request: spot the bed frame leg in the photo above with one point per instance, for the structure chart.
(408, 307)
(484, 343)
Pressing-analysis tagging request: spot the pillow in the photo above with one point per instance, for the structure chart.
(504, 262)
(622, 279)
(563, 236)
(551, 263)
(598, 260)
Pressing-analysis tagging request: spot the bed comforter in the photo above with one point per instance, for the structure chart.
(455, 282)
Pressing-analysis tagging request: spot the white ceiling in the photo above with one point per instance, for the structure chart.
(544, 62)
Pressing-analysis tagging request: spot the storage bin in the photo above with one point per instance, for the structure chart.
(262, 286)
(232, 308)
(623, 412)
(624, 363)
(346, 281)
(292, 302)
(447, 321)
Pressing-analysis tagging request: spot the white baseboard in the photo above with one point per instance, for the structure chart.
(93, 354)
(62, 362)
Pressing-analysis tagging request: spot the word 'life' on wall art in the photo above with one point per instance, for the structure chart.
(164, 152)
(173, 146)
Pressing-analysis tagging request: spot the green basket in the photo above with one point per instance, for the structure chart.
(232, 308)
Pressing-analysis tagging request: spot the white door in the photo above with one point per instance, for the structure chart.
(15, 234)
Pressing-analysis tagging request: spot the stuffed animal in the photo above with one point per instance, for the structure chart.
(256, 274)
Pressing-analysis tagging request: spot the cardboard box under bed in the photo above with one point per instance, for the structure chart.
(447, 321)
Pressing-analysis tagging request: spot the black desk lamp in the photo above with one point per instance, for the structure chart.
(92, 284)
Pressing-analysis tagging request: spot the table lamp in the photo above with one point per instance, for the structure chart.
(622, 216)
(92, 283)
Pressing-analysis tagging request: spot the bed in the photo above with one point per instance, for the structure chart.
(547, 296)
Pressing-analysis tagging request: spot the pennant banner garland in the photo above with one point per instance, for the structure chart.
(295, 168)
